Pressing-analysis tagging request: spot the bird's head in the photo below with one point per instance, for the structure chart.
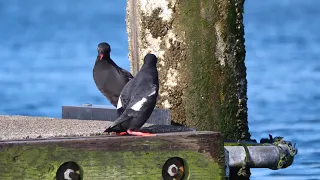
(150, 59)
(104, 50)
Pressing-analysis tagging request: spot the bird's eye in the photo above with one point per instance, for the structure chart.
(100, 51)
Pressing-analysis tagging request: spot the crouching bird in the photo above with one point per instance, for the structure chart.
(108, 76)
(137, 99)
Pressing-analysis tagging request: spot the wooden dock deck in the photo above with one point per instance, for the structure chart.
(50, 148)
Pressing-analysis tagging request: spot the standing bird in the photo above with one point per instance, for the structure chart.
(138, 99)
(108, 76)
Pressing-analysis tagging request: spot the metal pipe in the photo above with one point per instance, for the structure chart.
(261, 156)
(275, 154)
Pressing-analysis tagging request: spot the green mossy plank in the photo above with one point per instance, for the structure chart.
(108, 157)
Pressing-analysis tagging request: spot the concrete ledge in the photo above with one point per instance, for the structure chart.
(29, 127)
(24, 127)
(107, 113)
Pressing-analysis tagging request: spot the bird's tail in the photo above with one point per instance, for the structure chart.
(115, 128)
(109, 129)
(120, 111)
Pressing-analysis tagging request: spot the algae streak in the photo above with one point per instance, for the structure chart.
(104, 157)
(214, 70)
(34, 162)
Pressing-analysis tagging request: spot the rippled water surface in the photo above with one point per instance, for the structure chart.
(48, 51)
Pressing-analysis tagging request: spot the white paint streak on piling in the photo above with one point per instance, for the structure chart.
(172, 78)
(147, 41)
(221, 46)
(153, 45)
(148, 6)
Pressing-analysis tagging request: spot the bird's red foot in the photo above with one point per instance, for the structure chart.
(123, 133)
(118, 134)
(136, 133)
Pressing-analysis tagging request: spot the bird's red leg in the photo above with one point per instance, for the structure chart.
(137, 133)
(119, 134)
(123, 133)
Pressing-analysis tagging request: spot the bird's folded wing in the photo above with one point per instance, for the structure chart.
(126, 74)
(125, 116)
(143, 100)
(125, 96)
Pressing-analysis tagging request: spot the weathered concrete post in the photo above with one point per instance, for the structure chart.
(200, 46)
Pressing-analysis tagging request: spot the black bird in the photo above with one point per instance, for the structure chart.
(138, 99)
(108, 76)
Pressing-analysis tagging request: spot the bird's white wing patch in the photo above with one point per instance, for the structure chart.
(137, 106)
(119, 105)
(153, 93)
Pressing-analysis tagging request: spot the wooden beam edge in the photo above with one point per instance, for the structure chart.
(106, 137)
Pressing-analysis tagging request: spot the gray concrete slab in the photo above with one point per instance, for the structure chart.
(23, 127)
(30, 127)
(107, 113)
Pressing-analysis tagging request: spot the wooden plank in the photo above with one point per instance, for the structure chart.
(114, 157)
(96, 112)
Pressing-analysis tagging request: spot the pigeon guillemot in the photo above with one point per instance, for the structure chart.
(108, 76)
(138, 99)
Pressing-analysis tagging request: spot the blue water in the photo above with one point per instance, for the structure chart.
(48, 51)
